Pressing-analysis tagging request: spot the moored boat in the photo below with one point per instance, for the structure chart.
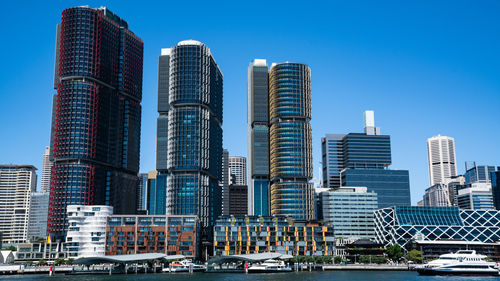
(464, 262)
(269, 266)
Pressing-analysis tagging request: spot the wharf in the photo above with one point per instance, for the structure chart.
(19, 269)
(368, 267)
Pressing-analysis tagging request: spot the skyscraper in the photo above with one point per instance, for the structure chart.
(17, 182)
(194, 158)
(98, 114)
(441, 156)
(38, 211)
(258, 137)
(46, 166)
(290, 143)
(238, 169)
(224, 183)
(332, 159)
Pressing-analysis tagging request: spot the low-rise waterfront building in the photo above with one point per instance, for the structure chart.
(260, 234)
(46, 250)
(402, 224)
(350, 211)
(87, 230)
(433, 249)
(139, 234)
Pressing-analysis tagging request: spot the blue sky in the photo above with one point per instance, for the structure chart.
(425, 67)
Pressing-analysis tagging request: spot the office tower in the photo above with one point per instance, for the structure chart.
(238, 200)
(156, 196)
(368, 150)
(142, 192)
(258, 137)
(475, 196)
(480, 173)
(46, 166)
(290, 141)
(392, 186)
(454, 184)
(350, 211)
(98, 114)
(38, 212)
(238, 168)
(441, 156)
(437, 196)
(194, 133)
(332, 159)
(17, 182)
(495, 189)
(224, 183)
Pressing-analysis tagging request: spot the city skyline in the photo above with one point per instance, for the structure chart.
(369, 72)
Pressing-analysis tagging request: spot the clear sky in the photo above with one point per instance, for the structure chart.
(425, 67)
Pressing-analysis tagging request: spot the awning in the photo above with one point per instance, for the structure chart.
(126, 258)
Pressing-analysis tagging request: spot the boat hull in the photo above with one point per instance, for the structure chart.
(464, 272)
(269, 270)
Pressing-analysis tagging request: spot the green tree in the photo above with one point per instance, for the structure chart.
(10, 248)
(414, 256)
(337, 259)
(394, 252)
(42, 262)
(29, 262)
(59, 261)
(70, 261)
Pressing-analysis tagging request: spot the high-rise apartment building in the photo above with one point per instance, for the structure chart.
(238, 170)
(441, 156)
(46, 167)
(38, 212)
(194, 158)
(290, 141)
(17, 182)
(97, 124)
(258, 137)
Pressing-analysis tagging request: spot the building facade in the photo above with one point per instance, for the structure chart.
(332, 159)
(98, 114)
(171, 235)
(285, 235)
(238, 170)
(437, 196)
(350, 211)
(442, 158)
(495, 189)
(478, 174)
(142, 192)
(402, 224)
(392, 186)
(17, 182)
(194, 159)
(238, 200)
(475, 196)
(47, 250)
(224, 183)
(258, 137)
(86, 234)
(46, 167)
(38, 212)
(290, 141)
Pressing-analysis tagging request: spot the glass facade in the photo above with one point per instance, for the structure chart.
(332, 159)
(96, 130)
(479, 174)
(350, 212)
(290, 152)
(495, 189)
(391, 186)
(401, 225)
(258, 137)
(194, 159)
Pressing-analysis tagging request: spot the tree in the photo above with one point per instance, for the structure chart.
(59, 261)
(394, 252)
(414, 256)
(337, 259)
(42, 262)
(10, 248)
(70, 261)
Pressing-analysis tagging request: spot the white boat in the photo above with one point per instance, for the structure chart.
(465, 262)
(269, 266)
(184, 266)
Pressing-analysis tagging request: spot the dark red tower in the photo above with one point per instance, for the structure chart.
(96, 128)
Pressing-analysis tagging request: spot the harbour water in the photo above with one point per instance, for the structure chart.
(299, 276)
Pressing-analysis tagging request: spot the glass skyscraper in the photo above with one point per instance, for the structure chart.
(258, 138)
(96, 130)
(290, 144)
(194, 150)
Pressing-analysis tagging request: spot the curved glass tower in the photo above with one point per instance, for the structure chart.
(194, 158)
(96, 129)
(290, 141)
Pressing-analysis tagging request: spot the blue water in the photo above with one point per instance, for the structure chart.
(300, 276)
